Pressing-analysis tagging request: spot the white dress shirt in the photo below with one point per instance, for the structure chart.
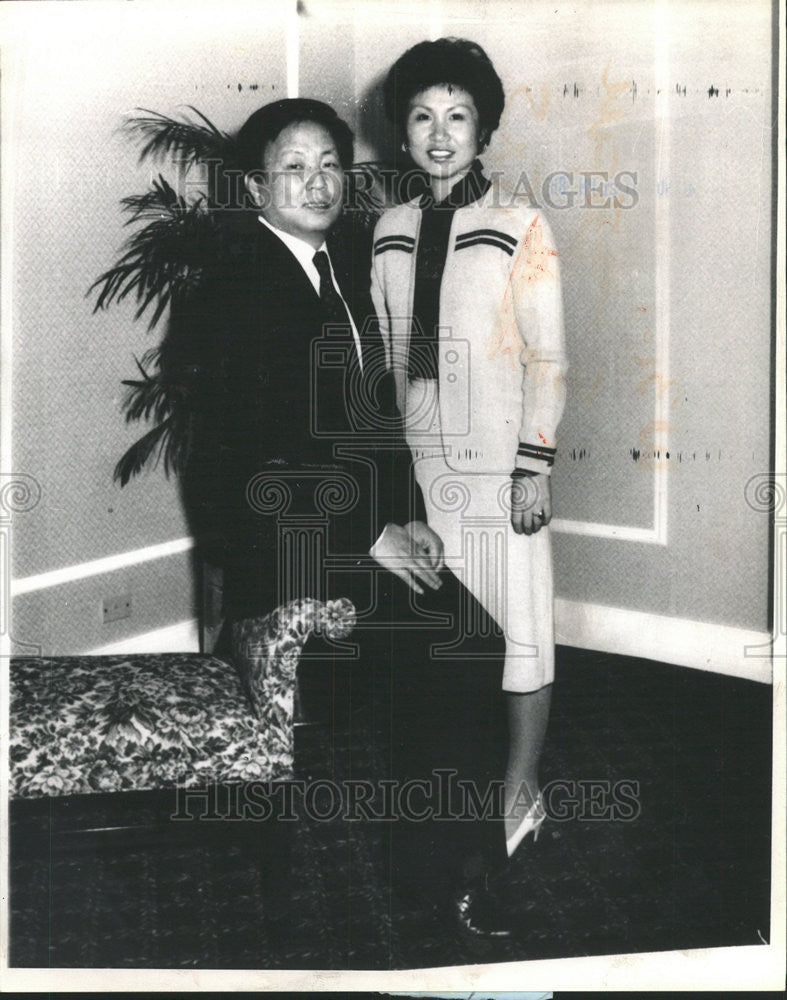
(304, 254)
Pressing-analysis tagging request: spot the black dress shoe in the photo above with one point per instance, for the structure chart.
(479, 914)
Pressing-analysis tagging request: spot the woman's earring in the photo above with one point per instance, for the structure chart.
(404, 147)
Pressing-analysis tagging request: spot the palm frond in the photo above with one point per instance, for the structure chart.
(165, 258)
(162, 135)
(147, 399)
(142, 451)
(164, 399)
(158, 396)
(160, 198)
(150, 357)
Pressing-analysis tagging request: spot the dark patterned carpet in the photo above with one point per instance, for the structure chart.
(685, 863)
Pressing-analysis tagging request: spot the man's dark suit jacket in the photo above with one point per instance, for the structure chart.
(265, 399)
(275, 398)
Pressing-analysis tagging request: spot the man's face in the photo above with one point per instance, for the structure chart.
(301, 190)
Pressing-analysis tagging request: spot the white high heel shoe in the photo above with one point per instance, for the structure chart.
(531, 822)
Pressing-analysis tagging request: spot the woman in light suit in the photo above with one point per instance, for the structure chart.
(466, 284)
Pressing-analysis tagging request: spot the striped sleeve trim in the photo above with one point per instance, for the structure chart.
(489, 237)
(404, 243)
(538, 452)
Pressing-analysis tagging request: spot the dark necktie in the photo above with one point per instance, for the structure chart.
(335, 309)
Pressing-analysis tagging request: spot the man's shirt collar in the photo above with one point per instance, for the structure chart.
(302, 251)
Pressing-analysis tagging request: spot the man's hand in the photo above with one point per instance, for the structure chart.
(399, 553)
(428, 542)
(531, 503)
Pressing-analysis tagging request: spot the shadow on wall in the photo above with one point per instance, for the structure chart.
(375, 130)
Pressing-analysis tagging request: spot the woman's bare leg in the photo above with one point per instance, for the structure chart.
(528, 715)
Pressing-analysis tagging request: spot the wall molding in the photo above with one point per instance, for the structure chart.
(662, 397)
(96, 567)
(620, 532)
(292, 42)
(656, 435)
(720, 649)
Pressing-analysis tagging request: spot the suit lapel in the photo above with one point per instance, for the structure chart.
(282, 274)
(287, 292)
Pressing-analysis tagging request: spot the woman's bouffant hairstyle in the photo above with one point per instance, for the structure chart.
(265, 125)
(449, 62)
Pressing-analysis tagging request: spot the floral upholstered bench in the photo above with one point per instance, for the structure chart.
(128, 775)
(112, 723)
(104, 724)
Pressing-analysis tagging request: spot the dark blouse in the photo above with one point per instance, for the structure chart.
(436, 219)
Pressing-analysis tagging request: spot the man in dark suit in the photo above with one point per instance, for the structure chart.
(303, 354)
(299, 466)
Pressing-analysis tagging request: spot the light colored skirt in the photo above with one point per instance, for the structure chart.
(509, 574)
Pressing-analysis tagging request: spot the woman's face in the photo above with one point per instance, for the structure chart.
(443, 133)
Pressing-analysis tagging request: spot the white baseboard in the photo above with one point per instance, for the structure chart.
(182, 637)
(722, 649)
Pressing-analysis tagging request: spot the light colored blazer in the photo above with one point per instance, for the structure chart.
(502, 358)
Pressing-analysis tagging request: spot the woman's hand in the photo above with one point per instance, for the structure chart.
(531, 503)
(398, 551)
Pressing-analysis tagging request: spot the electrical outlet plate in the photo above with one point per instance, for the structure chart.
(115, 608)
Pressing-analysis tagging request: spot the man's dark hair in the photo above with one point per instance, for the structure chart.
(453, 62)
(264, 126)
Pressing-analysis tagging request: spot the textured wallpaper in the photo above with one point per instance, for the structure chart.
(77, 76)
(646, 141)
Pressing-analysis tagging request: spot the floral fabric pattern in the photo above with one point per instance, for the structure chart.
(115, 723)
(267, 651)
(118, 723)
